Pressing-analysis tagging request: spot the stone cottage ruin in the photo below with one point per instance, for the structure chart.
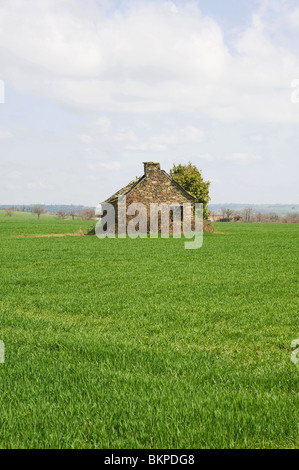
(155, 186)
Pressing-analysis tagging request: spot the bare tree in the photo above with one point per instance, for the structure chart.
(87, 214)
(38, 210)
(223, 212)
(9, 211)
(62, 214)
(247, 214)
(73, 213)
(291, 218)
(228, 214)
(259, 217)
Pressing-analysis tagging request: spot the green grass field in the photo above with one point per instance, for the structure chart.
(142, 344)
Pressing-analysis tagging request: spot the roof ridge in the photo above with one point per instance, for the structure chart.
(178, 185)
(125, 190)
(129, 187)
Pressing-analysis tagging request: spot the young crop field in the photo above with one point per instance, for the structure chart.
(122, 343)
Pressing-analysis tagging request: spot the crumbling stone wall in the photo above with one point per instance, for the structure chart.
(156, 187)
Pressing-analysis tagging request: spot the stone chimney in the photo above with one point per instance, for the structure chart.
(151, 169)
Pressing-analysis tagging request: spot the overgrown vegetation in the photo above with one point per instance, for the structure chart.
(190, 178)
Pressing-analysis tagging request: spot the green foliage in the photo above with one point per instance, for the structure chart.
(190, 178)
(141, 344)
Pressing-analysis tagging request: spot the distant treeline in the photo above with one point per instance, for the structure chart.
(62, 212)
(218, 212)
(50, 209)
(248, 214)
(278, 209)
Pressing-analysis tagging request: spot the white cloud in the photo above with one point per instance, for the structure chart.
(294, 18)
(161, 142)
(256, 138)
(152, 80)
(129, 136)
(243, 158)
(100, 166)
(14, 175)
(87, 60)
(2, 92)
(39, 186)
(192, 134)
(101, 126)
(164, 139)
(85, 138)
(147, 147)
(5, 134)
(215, 181)
(207, 157)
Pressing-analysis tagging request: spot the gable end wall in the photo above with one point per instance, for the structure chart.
(158, 188)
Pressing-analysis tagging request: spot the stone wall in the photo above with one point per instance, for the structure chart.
(156, 187)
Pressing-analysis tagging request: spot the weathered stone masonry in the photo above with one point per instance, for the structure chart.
(155, 186)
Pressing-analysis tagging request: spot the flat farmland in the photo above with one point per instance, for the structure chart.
(121, 343)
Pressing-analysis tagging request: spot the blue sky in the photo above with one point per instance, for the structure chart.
(94, 88)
